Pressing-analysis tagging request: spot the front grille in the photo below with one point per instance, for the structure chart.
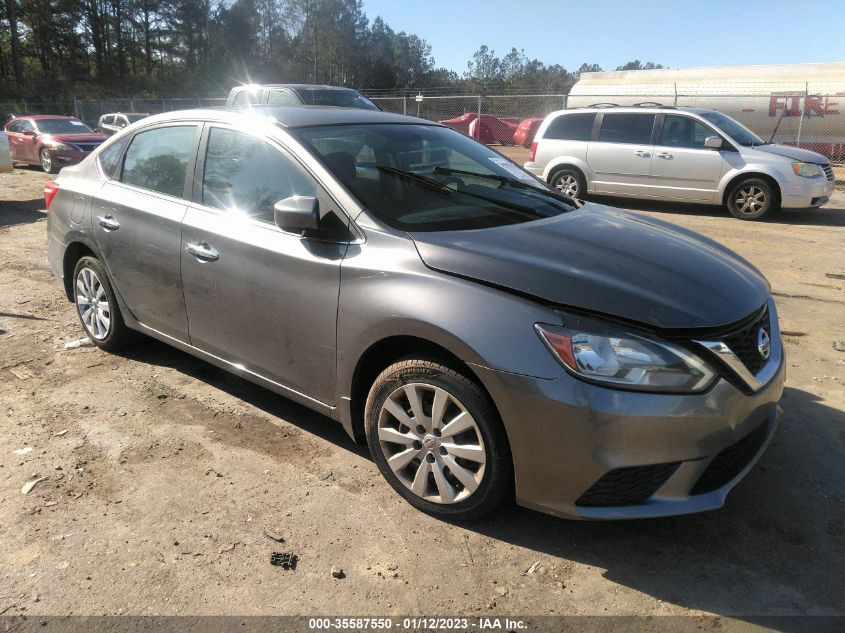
(828, 171)
(86, 147)
(730, 461)
(743, 342)
(627, 486)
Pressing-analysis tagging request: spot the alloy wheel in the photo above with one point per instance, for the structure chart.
(567, 184)
(750, 199)
(432, 443)
(46, 161)
(93, 304)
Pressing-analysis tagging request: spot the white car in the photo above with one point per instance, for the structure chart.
(5, 156)
(678, 154)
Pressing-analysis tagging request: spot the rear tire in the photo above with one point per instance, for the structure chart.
(751, 199)
(461, 474)
(96, 306)
(570, 182)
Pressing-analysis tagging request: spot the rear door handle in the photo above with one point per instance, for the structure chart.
(202, 252)
(642, 153)
(664, 155)
(108, 222)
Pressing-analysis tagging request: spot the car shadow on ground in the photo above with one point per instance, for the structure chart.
(21, 211)
(833, 214)
(776, 548)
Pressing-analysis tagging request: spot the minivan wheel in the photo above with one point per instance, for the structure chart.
(751, 199)
(96, 306)
(438, 440)
(569, 182)
(46, 161)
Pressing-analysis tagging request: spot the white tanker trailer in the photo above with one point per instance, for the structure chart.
(795, 104)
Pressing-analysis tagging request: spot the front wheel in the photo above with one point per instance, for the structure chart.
(46, 161)
(438, 440)
(752, 199)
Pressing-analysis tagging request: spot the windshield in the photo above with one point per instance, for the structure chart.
(343, 98)
(62, 126)
(736, 131)
(136, 117)
(430, 178)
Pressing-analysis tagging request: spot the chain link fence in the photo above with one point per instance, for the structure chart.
(810, 116)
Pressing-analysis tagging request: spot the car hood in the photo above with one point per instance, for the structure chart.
(794, 153)
(78, 138)
(609, 261)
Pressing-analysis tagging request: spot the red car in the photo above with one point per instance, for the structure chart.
(493, 129)
(526, 131)
(51, 141)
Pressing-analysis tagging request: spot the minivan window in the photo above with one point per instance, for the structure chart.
(683, 131)
(571, 127)
(248, 97)
(246, 176)
(619, 127)
(110, 157)
(158, 159)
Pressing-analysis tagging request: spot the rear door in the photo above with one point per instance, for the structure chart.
(682, 168)
(24, 146)
(256, 295)
(137, 224)
(620, 155)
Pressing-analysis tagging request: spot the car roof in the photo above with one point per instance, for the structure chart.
(292, 116)
(125, 113)
(627, 109)
(40, 117)
(294, 87)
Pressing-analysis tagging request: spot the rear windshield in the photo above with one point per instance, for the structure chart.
(430, 178)
(62, 126)
(343, 98)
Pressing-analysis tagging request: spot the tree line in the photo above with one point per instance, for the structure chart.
(54, 49)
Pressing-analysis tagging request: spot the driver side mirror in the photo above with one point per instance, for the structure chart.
(297, 214)
(713, 142)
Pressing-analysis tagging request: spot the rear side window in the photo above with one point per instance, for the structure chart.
(282, 97)
(682, 131)
(632, 128)
(246, 176)
(158, 159)
(571, 127)
(248, 97)
(110, 157)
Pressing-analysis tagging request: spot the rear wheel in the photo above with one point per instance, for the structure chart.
(46, 161)
(97, 307)
(752, 199)
(438, 440)
(570, 182)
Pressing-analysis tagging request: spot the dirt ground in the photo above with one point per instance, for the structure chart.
(164, 476)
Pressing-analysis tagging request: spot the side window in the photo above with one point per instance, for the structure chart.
(110, 157)
(246, 176)
(571, 127)
(158, 159)
(682, 131)
(282, 97)
(108, 119)
(25, 125)
(247, 97)
(120, 121)
(631, 128)
(14, 126)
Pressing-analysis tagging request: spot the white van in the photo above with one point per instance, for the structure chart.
(5, 156)
(678, 154)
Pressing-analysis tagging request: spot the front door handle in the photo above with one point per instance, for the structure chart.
(664, 155)
(108, 222)
(642, 153)
(202, 252)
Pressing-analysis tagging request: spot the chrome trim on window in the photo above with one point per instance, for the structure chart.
(727, 356)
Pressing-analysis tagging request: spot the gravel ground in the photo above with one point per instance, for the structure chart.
(164, 478)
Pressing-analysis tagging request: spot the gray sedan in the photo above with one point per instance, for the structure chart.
(489, 338)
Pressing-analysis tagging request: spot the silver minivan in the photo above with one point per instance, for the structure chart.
(678, 154)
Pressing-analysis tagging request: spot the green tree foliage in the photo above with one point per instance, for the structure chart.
(638, 65)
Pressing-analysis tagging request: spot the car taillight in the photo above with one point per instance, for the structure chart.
(50, 191)
(533, 151)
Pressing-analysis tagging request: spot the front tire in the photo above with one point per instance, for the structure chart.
(97, 307)
(751, 199)
(46, 161)
(438, 440)
(569, 182)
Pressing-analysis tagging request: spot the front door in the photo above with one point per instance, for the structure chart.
(621, 156)
(137, 224)
(257, 296)
(682, 167)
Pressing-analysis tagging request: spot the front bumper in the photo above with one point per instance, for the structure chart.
(567, 436)
(65, 157)
(803, 193)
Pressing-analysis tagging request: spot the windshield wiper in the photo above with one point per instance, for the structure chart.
(434, 184)
(506, 180)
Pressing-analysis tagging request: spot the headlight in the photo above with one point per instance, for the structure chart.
(58, 145)
(601, 353)
(808, 170)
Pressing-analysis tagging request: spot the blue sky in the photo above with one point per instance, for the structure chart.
(679, 33)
